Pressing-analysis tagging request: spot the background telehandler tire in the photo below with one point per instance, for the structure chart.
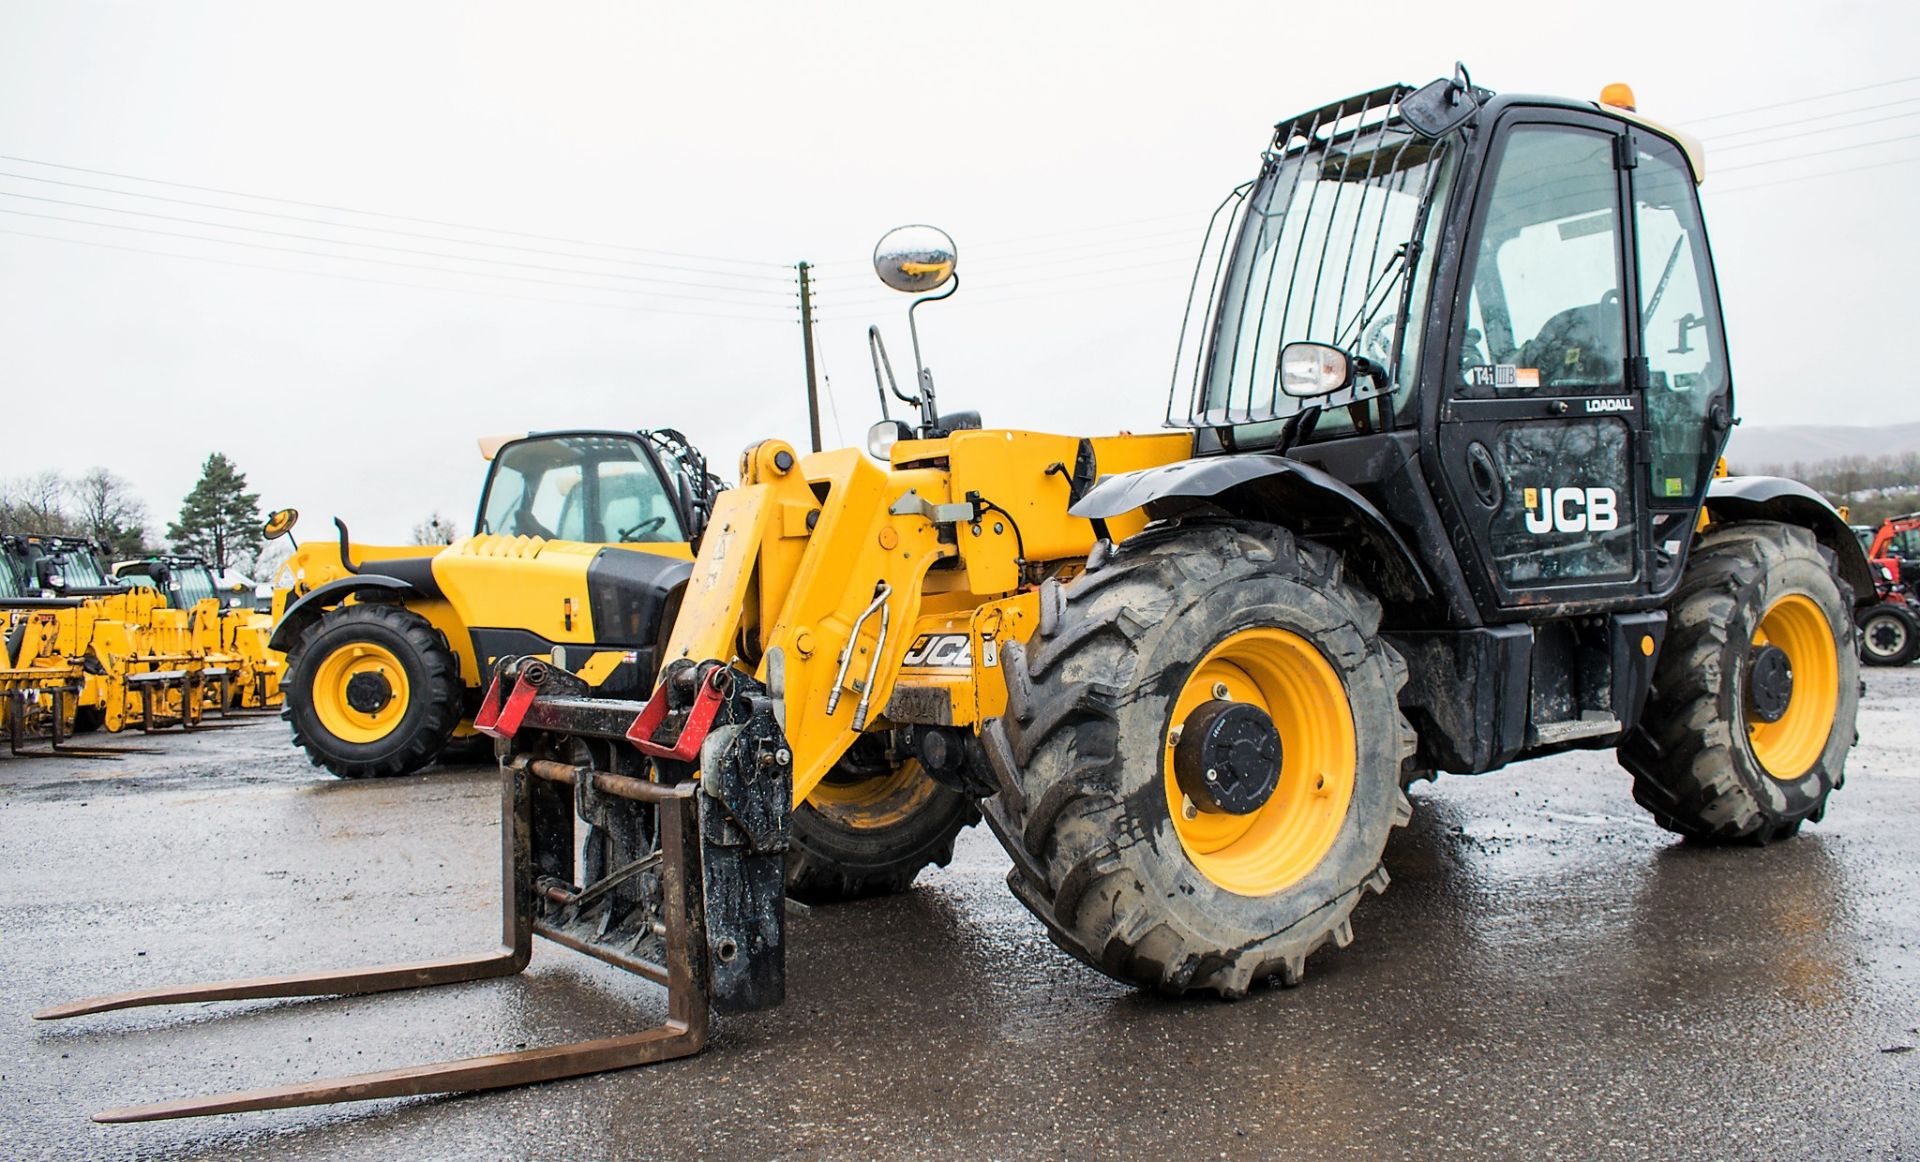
(1128, 872)
(871, 827)
(1719, 754)
(1889, 635)
(372, 691)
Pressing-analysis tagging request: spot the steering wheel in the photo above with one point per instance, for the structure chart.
(1377, 344)
(651, 524)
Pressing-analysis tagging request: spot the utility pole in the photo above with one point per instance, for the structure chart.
(806, 339)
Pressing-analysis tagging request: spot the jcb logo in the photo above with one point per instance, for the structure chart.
(1572, 510)
(939, 651)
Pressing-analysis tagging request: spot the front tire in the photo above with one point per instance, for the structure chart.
(870, 827)
(1747, 727)
(1152, 879)
(372, 691)
(1889, 635)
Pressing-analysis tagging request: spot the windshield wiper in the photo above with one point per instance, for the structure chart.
(1390, 275)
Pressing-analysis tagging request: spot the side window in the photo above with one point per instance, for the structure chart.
(1679, 320)
(1544, 312)
(634, 506)
(559, 504)
(1904, 545)
(505, 498)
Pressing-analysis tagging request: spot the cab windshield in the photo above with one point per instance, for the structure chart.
(596, 489)
(195, 584)
(80, 570)
(1324, 247)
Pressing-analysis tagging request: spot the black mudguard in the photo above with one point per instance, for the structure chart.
(1287, 492)
(1775, 498)
(302, 614)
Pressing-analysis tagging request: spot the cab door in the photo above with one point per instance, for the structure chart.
(1542, 438)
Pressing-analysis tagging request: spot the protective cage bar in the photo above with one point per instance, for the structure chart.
(531, 905)
(1307, 251)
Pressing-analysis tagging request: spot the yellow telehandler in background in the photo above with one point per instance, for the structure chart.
(225, 628)
(578, 544)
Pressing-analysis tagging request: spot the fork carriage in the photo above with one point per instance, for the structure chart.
(676, 879)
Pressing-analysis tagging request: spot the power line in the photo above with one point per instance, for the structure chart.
(1802, 100)
(1186, 243)
(1819, 153)
(382, 261)
(1817, 117)
(1825, 173)
(392, 249)
(495, 294)
(394, 217)
(991, 245)
(647, 265)
(1831, 129)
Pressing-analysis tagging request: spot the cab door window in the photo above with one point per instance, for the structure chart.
(1679, 320)
(1543, 310)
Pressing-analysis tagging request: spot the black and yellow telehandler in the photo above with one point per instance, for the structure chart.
(226, 630)
(1440, 495)
(578, 534)
(134, 660)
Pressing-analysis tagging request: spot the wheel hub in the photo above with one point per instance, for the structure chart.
(1769, 683)
(1887, 635)
(1228, 757)
(369, 693)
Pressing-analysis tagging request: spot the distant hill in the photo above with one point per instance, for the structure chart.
(1784, 444)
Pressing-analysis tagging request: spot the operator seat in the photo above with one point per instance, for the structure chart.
(1579, 347)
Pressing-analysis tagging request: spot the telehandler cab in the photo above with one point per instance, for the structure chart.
(577, 537)
(1440, 495)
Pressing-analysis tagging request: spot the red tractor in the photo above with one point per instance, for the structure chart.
(1890, 629)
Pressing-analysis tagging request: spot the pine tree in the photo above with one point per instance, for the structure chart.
(220, 519)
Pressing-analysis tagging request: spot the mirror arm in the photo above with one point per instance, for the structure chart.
(1363, 366)
(929, 411)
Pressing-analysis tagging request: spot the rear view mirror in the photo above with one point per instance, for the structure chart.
(915, 258)
(280, 523)
(1440, 107)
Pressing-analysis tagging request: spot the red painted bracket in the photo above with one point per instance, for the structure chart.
(500, 717)
(693, 732)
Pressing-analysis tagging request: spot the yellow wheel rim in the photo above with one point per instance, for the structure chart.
(1788, 748)
(1280, 842)
(330, 692)
(880, 801)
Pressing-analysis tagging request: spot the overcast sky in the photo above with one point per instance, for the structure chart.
(347, 361)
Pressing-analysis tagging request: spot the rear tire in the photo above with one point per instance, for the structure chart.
(870, 829)
(1889, 636)
(1213, 900)
(372, 654)
(1704, 757)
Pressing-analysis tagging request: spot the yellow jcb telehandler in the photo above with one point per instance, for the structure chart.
(578, 535)
(1440, 496)
(231, 637)
(141, 662)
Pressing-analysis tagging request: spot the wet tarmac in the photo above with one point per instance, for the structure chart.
(1549, 976)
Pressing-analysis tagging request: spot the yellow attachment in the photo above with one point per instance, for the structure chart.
(1786, 749)
(794, 557)
(1278, 844)
(330, 681)
(1619, 96)
(874, 803)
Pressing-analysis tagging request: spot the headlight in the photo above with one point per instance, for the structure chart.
(882, 436)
